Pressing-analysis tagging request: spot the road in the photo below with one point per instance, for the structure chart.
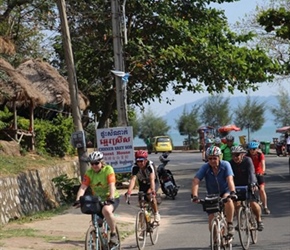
(184, 224)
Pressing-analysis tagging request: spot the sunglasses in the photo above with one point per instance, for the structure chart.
(236, 154)
(140, 161)
(253, 149)
(212, 158)
(95, 163)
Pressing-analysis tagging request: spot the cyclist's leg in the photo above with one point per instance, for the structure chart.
(229, 212)
(107, 211)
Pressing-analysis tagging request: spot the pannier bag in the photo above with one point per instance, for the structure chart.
(90, 204)
(242, 193)
(211, 204)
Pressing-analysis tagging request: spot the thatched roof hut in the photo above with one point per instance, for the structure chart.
(15, 87)
(48, 81)
(6, 46)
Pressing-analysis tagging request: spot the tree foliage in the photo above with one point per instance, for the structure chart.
(282, 111)
(250, 115)
(152, 125)
(215, 111)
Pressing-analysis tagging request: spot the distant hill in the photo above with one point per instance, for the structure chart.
(175, 113)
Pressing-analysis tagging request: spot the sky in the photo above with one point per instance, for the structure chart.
(235, 12)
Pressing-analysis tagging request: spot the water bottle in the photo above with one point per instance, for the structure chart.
(147, 215)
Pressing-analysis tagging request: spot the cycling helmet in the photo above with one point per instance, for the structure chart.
(163, 157)
(141, 155)
(230, 138)
(238, 149)
(213, 150)
(253, 145)
(217, 140)
(95, 156)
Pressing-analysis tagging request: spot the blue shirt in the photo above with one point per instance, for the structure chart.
(215, 184)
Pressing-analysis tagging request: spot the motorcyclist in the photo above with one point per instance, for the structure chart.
(164, 160)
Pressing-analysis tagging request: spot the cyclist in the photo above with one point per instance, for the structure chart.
(144, 171)
(244, 175)
(218, 175)
(258, 159)
(226, 148)
(218, 142)
(101, 179)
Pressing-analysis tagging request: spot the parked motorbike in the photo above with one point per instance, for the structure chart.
(167, 182)
(281, 148)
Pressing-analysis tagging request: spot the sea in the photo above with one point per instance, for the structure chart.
(265, 134)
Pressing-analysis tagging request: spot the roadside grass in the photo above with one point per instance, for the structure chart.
(12, 165)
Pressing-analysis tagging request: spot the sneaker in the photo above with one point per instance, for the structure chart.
(114, 239)
(260, 226)
(231, 229)
(237, 227)
(141, 237)
(157, 217)
(266, 210)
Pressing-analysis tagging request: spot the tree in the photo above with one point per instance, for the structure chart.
(215, 111)
(250, 115)
(151, 125)
(282, 111)
(190, 49)
(188, 123)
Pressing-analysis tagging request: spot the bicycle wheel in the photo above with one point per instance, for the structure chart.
(153, 230)
(92, 242)
(215, 239)
(226, 240)
(253, 228)
(140, 230)
(243, 225)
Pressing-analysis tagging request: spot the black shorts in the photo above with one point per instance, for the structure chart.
(288, 148)
(260, 179)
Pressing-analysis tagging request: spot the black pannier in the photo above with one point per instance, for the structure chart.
(242, 193)
(90, 204)
(212, 204)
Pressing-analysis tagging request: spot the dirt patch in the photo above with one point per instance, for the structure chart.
(66, 231)
(9, 148)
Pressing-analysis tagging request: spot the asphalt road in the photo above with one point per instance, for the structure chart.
(184, 224)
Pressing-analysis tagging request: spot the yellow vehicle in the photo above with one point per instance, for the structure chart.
(161, 144)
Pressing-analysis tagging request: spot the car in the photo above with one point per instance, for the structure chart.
(161, 144)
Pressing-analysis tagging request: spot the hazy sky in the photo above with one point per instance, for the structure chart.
(235, 12)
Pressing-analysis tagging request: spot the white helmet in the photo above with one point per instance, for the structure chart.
(217, 140)
(230, 138)
(95, 156)
(213, 150)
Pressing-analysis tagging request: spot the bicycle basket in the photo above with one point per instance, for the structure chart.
(242, 193)
(211, 204)
(90, 204)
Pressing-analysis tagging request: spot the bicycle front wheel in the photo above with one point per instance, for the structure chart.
(153, 230)
(253, 228)
(140, 230)
(215, 237)
(92, 241)
(243, 225)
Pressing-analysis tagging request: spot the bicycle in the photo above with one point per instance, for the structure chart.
(219, 237)
(145, 223)
(247, 225)
(98, 233)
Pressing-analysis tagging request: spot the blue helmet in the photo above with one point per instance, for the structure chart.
(253, 145)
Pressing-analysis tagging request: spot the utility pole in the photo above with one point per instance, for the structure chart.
(119, 64)
(72, 80)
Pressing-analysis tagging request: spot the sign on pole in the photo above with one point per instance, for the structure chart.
(117, 146)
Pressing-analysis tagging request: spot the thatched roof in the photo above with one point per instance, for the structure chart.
(15, 87)
(48, 81)
(6, 46)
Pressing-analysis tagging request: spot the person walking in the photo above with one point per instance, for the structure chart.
(258, 159)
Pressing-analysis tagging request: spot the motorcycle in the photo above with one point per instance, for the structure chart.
(166, 179)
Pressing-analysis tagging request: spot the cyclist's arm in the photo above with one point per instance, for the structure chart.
(195, 186)
(131, 184)
(152, 181)
(263, 164)
(252, 175)
(81, 191)
(231, 183)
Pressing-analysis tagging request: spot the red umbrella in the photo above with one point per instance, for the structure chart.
(283, 129)
(227, 128)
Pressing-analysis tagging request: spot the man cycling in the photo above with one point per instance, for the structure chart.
(144, 172)
(226, 148)
(258, 159)
(218, 175)
(244, 175)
